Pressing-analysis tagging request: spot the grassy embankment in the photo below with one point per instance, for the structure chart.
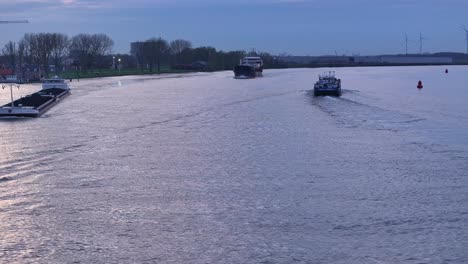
(98, 73)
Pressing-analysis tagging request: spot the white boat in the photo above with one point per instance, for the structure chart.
(255, 62)
(328, 84)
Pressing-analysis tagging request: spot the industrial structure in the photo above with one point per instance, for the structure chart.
(337, 61)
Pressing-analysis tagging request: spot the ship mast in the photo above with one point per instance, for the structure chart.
(11, 93)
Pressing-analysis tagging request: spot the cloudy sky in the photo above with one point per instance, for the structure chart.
(298, 27)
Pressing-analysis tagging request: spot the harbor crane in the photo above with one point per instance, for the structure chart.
(14, 21)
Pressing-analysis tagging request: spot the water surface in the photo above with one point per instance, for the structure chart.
(204, 168)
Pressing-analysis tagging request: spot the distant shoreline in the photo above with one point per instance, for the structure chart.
(97, 74)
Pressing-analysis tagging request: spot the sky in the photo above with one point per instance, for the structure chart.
(294, 27)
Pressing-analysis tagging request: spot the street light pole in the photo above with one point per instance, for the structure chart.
(11, 93)
(120, 65)
(113, 63)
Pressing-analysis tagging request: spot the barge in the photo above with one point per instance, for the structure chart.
(36, 104)
(249, 67)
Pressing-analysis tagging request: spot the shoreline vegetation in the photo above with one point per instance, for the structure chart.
(39, 55)
(129, 72)
(100, 73)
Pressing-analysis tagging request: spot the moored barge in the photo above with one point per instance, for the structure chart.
(36, 104)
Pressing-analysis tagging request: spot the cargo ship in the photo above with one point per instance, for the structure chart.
(249, 67)
(36, 104)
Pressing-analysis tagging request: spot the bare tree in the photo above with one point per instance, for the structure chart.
(89, 48)
(151, 52)
(30, 47)
(9, 51)
(80, 49)
(157, 50)
(21, 58)
(39, 47)
(178, 46)
(137, 49)
(60, 45)
(101, 45)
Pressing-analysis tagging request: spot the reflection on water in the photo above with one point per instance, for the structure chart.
(203, 168)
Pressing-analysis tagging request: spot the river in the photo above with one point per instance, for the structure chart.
(205, 168)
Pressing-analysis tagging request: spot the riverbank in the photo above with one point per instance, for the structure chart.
(99, 73)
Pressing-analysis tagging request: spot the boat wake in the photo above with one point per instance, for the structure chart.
(352, 113)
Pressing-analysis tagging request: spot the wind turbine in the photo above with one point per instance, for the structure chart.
(466, 32)
(421, 43)
(406, 44)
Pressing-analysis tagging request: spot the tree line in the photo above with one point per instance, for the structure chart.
(44, 49)
(155, 52)
(94, 51)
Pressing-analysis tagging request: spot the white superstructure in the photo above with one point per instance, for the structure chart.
(55, 82)
(255, 62)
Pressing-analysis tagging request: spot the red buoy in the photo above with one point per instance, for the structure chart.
(420, 85)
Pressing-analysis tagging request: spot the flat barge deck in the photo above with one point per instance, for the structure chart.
(35, 104)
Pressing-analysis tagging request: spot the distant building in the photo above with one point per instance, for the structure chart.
(6, 71)
(199, 65)
(365, 60)
(295, 59)
(416, 60)
(317, 60)
(402, 60)
(332, 60)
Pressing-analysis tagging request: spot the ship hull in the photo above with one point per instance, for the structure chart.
(244, 71)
